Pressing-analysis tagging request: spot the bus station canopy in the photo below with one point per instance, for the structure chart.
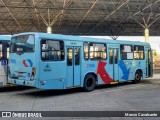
(81, 17)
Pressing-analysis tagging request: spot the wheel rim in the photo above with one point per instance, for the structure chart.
(137, 77)
(89, 82)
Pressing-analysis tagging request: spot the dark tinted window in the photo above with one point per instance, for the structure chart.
(97, 51)
(1, 54)
(113, 56)
(126, 52)
(138, 52)
(77, 56)
(69, 56)
(86, 50)
(22, 43)
(4, 50)
(52, 50)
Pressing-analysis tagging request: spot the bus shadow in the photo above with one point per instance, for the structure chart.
(114, 85)
(14, 88)
(50, 93)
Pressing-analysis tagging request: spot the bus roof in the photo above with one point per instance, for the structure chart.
(5, 37)
(80, 38)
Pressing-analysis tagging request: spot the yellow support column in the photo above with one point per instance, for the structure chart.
(146, 34)
(49, 29)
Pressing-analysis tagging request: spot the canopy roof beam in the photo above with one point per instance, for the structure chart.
(108, 15)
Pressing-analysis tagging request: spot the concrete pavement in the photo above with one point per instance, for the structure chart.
(144, 96)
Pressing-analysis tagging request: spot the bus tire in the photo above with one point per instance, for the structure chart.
(138, 76)
(89, 83)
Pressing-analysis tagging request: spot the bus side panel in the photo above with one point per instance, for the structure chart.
(52, 75)
(90, 67)
(128, 69)
(96, 67)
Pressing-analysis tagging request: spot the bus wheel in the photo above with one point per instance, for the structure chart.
(89, 83)
(137, 77)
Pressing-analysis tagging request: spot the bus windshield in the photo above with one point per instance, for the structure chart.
(22, 43)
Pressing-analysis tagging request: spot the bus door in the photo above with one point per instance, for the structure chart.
(73, 66)
(113, 63)
(149, 66)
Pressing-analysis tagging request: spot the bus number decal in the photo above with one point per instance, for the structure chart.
(90, 65)
(73, 43)
(102, 72)
(124, 70)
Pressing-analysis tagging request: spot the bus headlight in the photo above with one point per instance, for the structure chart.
(33, 73)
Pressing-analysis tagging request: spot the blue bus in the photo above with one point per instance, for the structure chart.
(4, 55)
(54, 61)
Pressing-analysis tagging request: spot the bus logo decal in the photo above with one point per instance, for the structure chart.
(28, 74)
(47, 68)
(124, 70)
(139, 64)
(27, 63)
(133, 63)
(13, 61)
(102, 72)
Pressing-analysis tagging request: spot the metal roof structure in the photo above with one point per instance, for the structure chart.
(81, 17)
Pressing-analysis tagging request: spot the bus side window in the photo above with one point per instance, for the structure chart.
(98, 51)
(1, 55)
(126, 52)
(86, 50)
(52, 50)
(110, 57)
(138, 52)
(44, 48)
(4, 50)
(77, 56)
(7, 50)
(69, 56)
(115, 56)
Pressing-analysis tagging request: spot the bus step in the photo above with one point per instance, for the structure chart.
(113, 83)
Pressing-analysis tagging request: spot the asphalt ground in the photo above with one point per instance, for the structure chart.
(144, 96)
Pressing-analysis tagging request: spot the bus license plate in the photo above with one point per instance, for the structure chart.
(20, 74)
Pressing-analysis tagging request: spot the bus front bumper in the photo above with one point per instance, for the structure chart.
(21, 82)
